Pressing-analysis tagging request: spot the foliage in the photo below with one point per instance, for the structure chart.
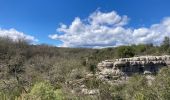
(166, 44)
(125, 51)
(161, 84)
(45, 91)
(23, 67)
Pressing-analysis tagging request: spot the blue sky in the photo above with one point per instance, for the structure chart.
(41, 19)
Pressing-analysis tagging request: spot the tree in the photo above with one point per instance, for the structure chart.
(125, 51)
(165, 44)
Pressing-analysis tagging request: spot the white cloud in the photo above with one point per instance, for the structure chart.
(16, 35)
(111, 18)
(107, 30)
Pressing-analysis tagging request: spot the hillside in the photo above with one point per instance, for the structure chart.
(45, 72)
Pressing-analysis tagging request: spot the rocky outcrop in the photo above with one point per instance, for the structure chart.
(118, 71)
(129, 66)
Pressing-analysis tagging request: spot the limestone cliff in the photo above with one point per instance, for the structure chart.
(129, 66)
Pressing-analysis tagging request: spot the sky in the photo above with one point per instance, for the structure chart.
(85, 23)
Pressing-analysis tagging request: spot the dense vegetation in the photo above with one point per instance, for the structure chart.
(40, 72)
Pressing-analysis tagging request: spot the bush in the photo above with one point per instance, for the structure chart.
(125, 51)
(137, 88)
(45, 91)
(161, 85)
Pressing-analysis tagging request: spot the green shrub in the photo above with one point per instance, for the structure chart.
(45, 91)
(161, 84)
(125, 51)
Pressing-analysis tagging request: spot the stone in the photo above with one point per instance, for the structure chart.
(90, 91)
(140, 64)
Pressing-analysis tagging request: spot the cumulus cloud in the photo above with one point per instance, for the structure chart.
(16, 35)
(111, 18)
(107, 30)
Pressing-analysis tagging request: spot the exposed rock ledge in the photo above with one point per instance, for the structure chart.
(141, 64)
(118, 71)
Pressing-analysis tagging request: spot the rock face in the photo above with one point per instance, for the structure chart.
(118, 71)
(129, 66)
